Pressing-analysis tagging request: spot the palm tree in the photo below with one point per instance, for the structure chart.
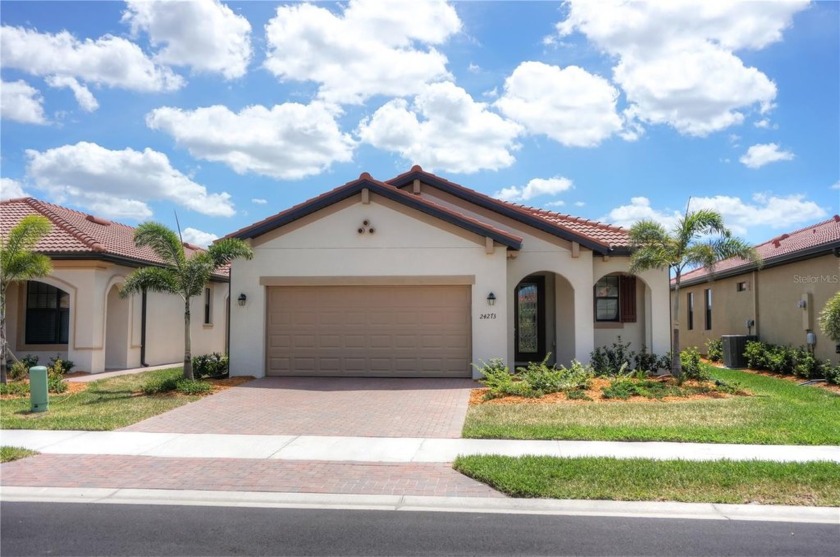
(183, 276)
(699, 238)
(19, 263)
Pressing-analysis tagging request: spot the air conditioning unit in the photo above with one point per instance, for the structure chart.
(733, 350)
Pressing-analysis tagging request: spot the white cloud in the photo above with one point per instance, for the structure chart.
(258, 201)
(535, 187)
(764, 153)
(287, 141)
(111, 61)
(11, 189)
(580, 204)
(558, 203)
(836, 185)
(676, 61)
(370, 48)
(119, 183)
(640, 209)
(766, 124)
(569, 105)
(198, 237)
(21, 102)
(207, 36)
(444, 128)
(83, 95)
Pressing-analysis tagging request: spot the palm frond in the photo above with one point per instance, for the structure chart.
(17, 261)
(156, 279)
(227, 249)
(163, 242)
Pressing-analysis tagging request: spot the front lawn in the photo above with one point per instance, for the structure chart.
(722, 481)
(105, 404)
(778, 413)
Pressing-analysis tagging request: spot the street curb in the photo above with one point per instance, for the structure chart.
(260, 499)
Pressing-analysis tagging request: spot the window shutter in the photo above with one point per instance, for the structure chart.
(627, 295)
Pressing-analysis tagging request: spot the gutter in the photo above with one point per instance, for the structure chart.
(143, 331)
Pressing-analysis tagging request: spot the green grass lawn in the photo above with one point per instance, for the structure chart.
(8, 454)
(779, 413)
(106, 404)
(722, 481)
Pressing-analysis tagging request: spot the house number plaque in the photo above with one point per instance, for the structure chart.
(487, 316)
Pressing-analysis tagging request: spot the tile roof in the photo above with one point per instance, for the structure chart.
(76, 233)
(824, 235)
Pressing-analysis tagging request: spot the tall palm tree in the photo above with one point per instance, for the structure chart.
(183, 276)
(699, 239)
(19, 263)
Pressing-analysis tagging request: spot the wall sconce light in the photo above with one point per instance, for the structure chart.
(802, 304)
(491, 299)
(242, 299)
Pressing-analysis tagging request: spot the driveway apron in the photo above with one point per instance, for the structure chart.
(357, 407)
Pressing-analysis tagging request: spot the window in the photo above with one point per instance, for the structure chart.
(207, 300)
(615, 299)
(47, 314)
(690, 305)
(707, 294)
(741, 286)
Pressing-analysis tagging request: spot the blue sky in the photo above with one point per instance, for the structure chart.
(227, 112)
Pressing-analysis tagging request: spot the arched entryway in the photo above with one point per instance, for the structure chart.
(543, 319)
(116, 335)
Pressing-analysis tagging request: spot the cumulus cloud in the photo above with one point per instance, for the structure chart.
(258, 201)
(764, 153)
(206, 36)
(535, 188)
(119, 183)
(83, 95)
(21, 102)
(11, 189)
(444, 128)
(676, 61)
(569, 105)
(110, 61)
(369, 48)
(640, 209)
(287, 141)
(198, 237)
(836, 185)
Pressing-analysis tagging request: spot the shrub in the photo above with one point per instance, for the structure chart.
(755, 354)
(210, 365)
(830, 318)
(832, 373)
(691, 366)
(577, 395)
(496, 375)
(608, 361)
(621, 388)
(18, 388)
(805, 365)
(55, 375)
(714, 349)
(18, 371)
(648, 361)
(160, 385)
(545, 379)
(61, 366)
(193, 387)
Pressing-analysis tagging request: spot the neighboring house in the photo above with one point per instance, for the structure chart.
(76, 312)
(418, 276)
(784, 297)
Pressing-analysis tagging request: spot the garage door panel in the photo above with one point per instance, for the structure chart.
(369, 331)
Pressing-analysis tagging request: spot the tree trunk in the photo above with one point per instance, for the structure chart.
(3, 335)
(676, 365)
(188, 370)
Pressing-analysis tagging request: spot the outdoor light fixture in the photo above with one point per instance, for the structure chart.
(491, 299)
(242, 299)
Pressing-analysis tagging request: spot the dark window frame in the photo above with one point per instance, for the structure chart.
(689, 302)
(617, 298)
(707, 302)
(43, 304)
(208, 300)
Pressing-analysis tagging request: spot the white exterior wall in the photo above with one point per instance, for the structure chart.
(405, 244)
(88, 283)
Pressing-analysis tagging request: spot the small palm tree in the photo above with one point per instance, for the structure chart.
(19, 263)
(183, 276)
(699, 238)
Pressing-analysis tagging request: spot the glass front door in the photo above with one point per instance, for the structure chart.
(529, 328)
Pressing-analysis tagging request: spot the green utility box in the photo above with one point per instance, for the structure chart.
(38, 389)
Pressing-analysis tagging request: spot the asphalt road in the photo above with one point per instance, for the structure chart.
(102, 529)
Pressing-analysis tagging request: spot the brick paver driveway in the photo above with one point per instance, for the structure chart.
(356, 407)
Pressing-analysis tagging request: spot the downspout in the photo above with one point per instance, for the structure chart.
(227, 324)
(143, 330)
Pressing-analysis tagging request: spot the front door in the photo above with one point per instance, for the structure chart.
(529, 315)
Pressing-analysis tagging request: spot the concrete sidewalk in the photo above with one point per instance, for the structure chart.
(383, 449)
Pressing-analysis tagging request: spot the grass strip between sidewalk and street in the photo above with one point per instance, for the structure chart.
(8, 454)
(722, 481)
(779, 412)
(105, 405)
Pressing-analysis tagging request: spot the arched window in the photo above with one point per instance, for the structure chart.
(47, 314)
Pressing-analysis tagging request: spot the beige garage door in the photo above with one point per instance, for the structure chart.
(376, 331)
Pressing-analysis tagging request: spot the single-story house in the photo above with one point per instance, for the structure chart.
(780, 301)
(76, 312)
(419, 276)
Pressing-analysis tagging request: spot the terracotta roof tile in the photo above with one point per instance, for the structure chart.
(74, 232)
(823, 234)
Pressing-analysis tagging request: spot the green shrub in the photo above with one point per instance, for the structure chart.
(608, 361)
(805, 365)
(16, 388)
(714, 349)
(160, 385)
(577, 395)
(61, 366)
(18, 371)
(55, 375)
(755, 354)
(830, 318)
(648, 361)
(548, 379)
(210, 365)
(620, 387)
(691, 366)
(831, 373)
(496, 375)
(193, 386)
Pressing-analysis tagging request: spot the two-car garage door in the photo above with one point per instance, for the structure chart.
(375, 331)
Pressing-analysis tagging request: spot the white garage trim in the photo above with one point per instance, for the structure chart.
(386, 280)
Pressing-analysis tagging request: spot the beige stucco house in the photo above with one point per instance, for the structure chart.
(76, 312)
(418, 276)
(782, 299)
